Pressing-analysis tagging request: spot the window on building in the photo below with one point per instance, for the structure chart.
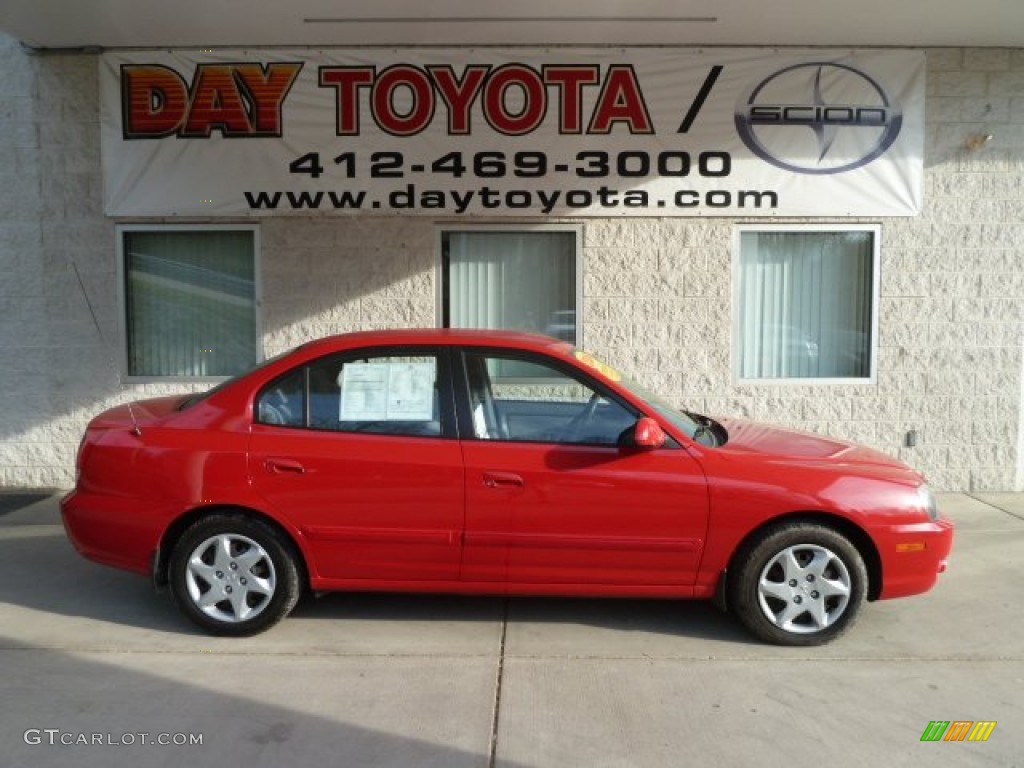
(189, 301)
(519, 280)
(806, 303)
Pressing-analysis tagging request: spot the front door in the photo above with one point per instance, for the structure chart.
(552, 498)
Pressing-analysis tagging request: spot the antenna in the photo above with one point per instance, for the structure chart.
(136, 429)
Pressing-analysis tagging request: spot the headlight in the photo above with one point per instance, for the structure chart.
(928, 502)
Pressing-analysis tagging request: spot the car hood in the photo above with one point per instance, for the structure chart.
(751, 437)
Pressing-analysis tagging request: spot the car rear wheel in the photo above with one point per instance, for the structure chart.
(234, 575)
(798, 584)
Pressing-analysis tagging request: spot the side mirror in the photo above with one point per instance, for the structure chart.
(647, 434)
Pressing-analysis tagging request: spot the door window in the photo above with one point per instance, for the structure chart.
(539, 403)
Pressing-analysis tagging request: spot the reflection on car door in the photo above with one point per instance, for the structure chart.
(371, 474)
(553, 499)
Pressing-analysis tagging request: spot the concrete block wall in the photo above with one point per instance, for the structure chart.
(657, 292)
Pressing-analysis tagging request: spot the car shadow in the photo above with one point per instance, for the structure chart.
(696, 619)
(40, 570)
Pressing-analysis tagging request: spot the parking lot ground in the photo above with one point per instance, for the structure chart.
(92, 656)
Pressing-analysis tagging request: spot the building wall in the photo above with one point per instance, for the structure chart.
(657, 292)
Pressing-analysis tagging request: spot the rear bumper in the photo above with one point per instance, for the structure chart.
(913, 556)
(111, 530)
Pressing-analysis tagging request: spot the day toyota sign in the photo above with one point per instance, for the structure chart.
(492, 132)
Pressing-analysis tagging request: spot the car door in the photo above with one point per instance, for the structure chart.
(551, 497)
(359, 452)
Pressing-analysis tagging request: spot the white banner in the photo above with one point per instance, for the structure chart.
(517, 132)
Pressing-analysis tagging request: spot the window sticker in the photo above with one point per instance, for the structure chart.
(387, 392)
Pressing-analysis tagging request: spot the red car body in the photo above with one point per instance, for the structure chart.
(453, 513)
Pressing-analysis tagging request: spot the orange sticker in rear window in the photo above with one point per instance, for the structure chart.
(603, 368)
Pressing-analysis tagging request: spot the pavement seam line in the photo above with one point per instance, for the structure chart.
(492, 747)
(994, 506)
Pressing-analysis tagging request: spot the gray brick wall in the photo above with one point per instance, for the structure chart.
(657, 292)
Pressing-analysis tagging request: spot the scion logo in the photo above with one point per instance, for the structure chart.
(818, 118)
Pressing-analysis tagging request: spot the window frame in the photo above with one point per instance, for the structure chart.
(121, 230)
(512, 228)
(736, 341)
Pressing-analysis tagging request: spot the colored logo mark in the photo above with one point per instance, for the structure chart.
(958, 730)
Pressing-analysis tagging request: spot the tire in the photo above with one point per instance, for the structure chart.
(798, 584)
(234, 575)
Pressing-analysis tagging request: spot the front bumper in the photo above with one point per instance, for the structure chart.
(913, 556)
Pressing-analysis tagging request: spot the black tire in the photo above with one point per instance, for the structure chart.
(814, 584)
(243, 561)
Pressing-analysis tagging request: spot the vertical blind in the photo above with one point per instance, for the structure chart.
(805, 304)
(515, 280)
(190, 302)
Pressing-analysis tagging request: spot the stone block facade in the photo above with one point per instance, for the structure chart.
(657, 293)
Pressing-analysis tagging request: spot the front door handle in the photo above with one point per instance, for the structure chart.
(503, 479)
(282, 466)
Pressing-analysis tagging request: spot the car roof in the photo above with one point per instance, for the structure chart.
(438, 336)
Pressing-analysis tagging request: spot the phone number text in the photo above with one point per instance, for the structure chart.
(587, 164)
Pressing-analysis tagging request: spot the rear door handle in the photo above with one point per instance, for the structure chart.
(282, 466)
(503, 479)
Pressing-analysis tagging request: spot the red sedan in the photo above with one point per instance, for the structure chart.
(490, 462)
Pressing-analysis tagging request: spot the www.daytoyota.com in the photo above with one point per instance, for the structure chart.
(381, 167)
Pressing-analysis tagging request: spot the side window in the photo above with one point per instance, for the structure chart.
(380, 394)
(521, 400)
(283, 403)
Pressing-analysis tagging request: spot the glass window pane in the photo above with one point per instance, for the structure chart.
(805, 304)
(283, 403)
(387, 395)
(513, 280)
(545, 405)
(190, 301)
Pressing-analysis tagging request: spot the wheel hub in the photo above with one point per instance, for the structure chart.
(804, 589)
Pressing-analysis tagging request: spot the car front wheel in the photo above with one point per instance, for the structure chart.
(233, 575)
(798, 584)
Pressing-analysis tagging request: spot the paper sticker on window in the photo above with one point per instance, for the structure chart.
(387, 392)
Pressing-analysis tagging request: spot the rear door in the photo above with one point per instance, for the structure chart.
(359, 452)
(552, 498)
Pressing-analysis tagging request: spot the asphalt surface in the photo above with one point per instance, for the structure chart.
(96, 668)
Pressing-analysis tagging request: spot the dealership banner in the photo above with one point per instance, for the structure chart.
(513, 132)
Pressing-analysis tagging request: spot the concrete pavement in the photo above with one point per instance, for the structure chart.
(93, 656)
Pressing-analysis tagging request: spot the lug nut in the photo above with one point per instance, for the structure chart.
(798, 599)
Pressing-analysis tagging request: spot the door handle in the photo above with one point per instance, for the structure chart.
(503, 479)
(282, 466)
